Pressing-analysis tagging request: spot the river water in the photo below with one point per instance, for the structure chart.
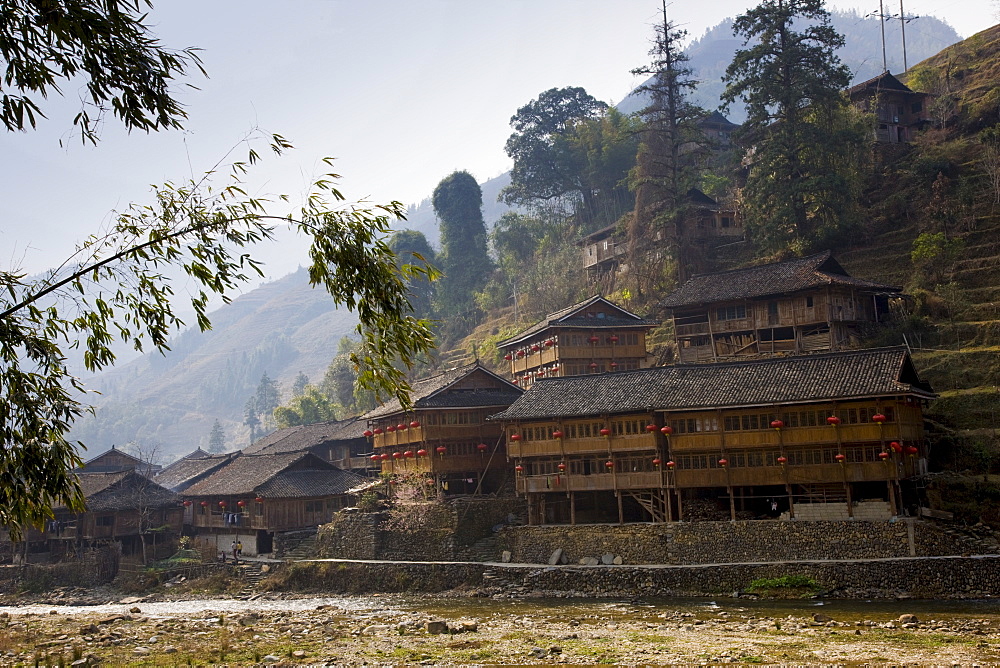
(559, 608)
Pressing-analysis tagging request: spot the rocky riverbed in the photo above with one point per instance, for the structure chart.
(448, 630)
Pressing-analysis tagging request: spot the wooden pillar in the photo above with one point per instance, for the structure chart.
(541, 508)
(572, 507)
(680, 504)
(621, 510)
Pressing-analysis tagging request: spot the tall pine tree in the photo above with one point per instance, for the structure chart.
(797, 192)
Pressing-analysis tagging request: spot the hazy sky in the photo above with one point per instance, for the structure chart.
(400, 93)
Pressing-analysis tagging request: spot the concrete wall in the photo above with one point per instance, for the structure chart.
(731, 542)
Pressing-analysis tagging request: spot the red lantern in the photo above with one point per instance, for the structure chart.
(390, 428)
(515, 437)
(259, 499)
(520, 353)
(723, 463)
(840, 457)
(241, 503)
(541, 372)
(609, 464)
(557, 434)
(384, 456)
(519, 468)
(671, 464)
(911, 450)
(378, 430)
(187, 504)
(408, 454)
(535, 347)
(549, 343)
(666, 430)
(415, 424)
(553, 369)
(421, 453)
(482, 447)
(657, 462)
(651, 428)
(222, 504)
(593, 365)
(508, 357)
(204, 503)
(883, 456)
(896, 447)
(369, 433)
(401, 427)
(833, 420)
(595, 339)
(397, 455)
(515, 381)
(782, 460)
(561, 467)
(878, 418)
(777, 424)
(441, 450)
(614, 365)
(605, 432)
(613, 338)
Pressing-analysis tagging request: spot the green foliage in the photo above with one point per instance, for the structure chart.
(104, 45)
(412, 246)
(217, 439)
(299, 384)
(933, 255)
(464, 262)
(115, 287)
(785, 585)
(340, 382)
(310, 407)
(800, 187)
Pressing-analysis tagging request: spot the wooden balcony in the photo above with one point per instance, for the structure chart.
(795, 436)
(589, 483)
(447, 464)
(577, 446)
(425, 434)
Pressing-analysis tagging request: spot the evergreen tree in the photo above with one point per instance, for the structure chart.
(299, 384)
(268, 397)
(411, 246)
(250, 418)
(310, 407)
(217, 439)
(791, 81)
(464, 261)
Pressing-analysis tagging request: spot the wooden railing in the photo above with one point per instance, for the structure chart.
(575, 446)
(585, 483)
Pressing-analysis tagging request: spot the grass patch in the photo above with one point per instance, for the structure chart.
(786, 586)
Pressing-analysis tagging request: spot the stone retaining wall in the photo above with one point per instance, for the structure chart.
(730, 542)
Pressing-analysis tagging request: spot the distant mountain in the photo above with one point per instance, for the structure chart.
(711, 54)
(280, 328)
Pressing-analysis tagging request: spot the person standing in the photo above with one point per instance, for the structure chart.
(234, 550)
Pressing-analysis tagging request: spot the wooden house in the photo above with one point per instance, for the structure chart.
(593, 336)
(251, 497)
(445, 436)
(122, 506)
(817, 436)
(342, 443)
(802, 305)
(899, 112)
(114, 460)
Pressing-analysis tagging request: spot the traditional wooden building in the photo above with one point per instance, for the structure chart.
(342, 443)
(445, 437)
(802, 305)
(817, 436)
(123, 507)
(114, 460)
(899, 112)
(594, 336)
(252, 497)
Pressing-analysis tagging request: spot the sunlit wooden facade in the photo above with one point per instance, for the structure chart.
(899, 112)
(802, 305)
(592, 337)
(446, 437)
(755, 437)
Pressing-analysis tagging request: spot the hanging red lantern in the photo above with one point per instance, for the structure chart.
(605, 432)
(613, 338)
(397, 455)
(883, 456)
(557, 434)
(593, 365)
(259, 499)
(384, 456)
(378, 430)
(482, 447)
(609, 464)
(840, 457)
(401, 427)
(671, 464)
(368, 433)
(535, 347)
(203, 504)
(911, 450)
(421, 453)
(614, 365)
(390, 428)
(515, 437)
(651, 428)
(187, 504)
(415, 424)
(595, 339)
(549, 343)
(782, 460)
(222, 504)
(508, 357)
(541, 372)
(408, 454)
(723, 463)
(519, 468)
(441, 450)
(241, 503)
(777, 424)
(554, 369)
(520, 353)
(561, 467)
(666, 430)
(878, 418)
(833, 420)
(657, 462)
(896, 447)
(515, 381)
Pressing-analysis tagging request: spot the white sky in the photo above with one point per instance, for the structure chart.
(400, 92)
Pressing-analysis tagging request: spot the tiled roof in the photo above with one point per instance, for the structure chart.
(123, 490)
(785, 380)
(427, 393)
(776, 278)
(298, 484)
(246, 473)
(884, 81)
(715, 118)
(296, 439)
(184, 472)
(572, 316)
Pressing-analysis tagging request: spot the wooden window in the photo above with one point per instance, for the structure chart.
(736, 312)
(105, 521)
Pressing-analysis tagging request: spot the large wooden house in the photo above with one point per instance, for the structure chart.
(819, 436)
(899, 112)
(802, 305)
(445, 436)
(251, 497)
(594, 336)
(113, 460)
(342, 443)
